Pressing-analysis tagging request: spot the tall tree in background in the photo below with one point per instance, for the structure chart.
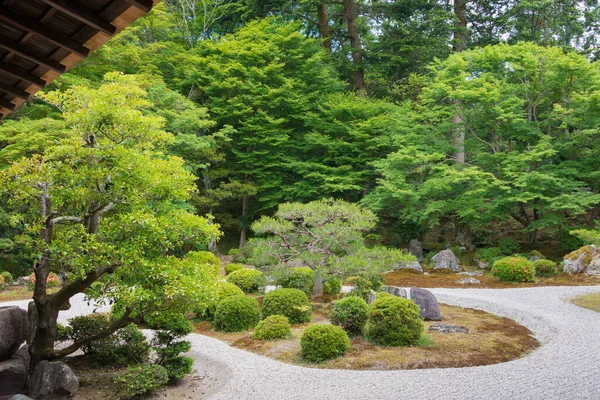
(351, 21)
(459, 44)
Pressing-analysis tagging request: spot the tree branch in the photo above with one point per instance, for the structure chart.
(59, 220)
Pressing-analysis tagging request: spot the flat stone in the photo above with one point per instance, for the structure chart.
(469, 281)
(53, 381)
(446, 260)
(471, 273)
(14, 329)
(445, 328)
(395, 290)
(428, 304)
(415, 266)
(14, 372)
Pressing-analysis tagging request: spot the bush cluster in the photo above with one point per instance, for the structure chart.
(247, 279)
(364, 283)
(292, 303)
(323, 342)
(237, 313)
(229, 268)
(332, 286)
(142, 379)
(508, 246)
(545, 267)
(299, 278)
(222, 290)
(488, 254)
(205, 258)
(393, 321)
(8, 278)
(272, 327)
(514, 269)
(351, 314)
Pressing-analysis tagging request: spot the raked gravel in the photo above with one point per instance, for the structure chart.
(566, 366)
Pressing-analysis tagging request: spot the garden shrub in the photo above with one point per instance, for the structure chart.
(364, 283)
(488, 254)
(8, 278)
(393, 321)
(237, 313)
(142, 379)
(63, 332)
(2, 282)
(430, 255)
(51, 282)
(272, 327)
(323, 342)
(456, 251)
(508, 246)
(292, 303)
(545, 267)
(332, 286)
(232, 267)
(247, 279)
(205, 258)
(351, 314)
(514, 269)
(299, 278)
(222, 290)
(233, 252)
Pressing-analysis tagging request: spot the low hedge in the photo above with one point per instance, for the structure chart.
(393, 321)
(237, 313)
(514, 269)
(323, 342)
(292, 303)
(247, 279)
(351, 314)
(545, 267)
(273, 327)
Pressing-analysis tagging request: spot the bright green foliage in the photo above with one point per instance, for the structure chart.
(273, 327)
(233, 252)
(393, 321)
(586, 236)
(142, 379)
(456, 251)
(206, 259)
(488, 254)
(514, 269)
(351, 314)
(292, 303)
(299, 278)
(332, 286)
(508, 246)
(222, 290)
(7, 276)
(237, 313)
(232, 267)
(168, 346)
(364, 283)
(545, 268)
(248, 279)
(323, 342)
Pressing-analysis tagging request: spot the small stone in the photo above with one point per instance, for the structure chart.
(415, 266)
(445, 260)
(53, 381)
(471, 273)
(445, 328)
(14, 372)
(469, 281)
(428, 304)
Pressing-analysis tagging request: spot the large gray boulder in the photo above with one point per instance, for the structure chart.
(415, 266)
(14, 329)
(445, 260)
(13, 373)
(53, 381)
(584, 260)
(416, 249)
(428, 304)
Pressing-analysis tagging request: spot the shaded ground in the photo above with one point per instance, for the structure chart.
(589, 301)
(491, 339)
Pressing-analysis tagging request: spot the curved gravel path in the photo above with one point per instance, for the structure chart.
(567, 366)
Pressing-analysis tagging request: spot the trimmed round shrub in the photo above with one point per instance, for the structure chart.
(545, 267)
(299, 278)
(508, 246)
(514, 269)
(8, 278)
(351, 314)
(272, 327)
(232, 267)
(222, 291)
(393, 321)
(323, 342)
(292, 303)
(333, 286)
(237, 313)
(142, 379)
(247, 279)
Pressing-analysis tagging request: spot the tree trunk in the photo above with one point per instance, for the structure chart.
(323, 26)
(244, 213)
(350, 17)
(459, 45)
(318, 284)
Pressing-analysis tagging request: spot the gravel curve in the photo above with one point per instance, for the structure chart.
(566, 366)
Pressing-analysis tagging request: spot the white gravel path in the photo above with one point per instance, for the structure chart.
(566, 367)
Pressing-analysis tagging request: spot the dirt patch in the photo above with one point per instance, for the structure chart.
(589, 301)
(491, 340)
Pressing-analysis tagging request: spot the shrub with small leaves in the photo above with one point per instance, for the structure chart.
(8, 278)
(233, 252)
(545, 267)
(222, 290)
(229, 268)
(514, 269)
(237, 313)
(272, 327)
(333, 286)
(205, 258)
(299, 278)
(393, 321)
(488, 254)
(292, 303)
(247, 279)
(508, 246)
(364, 283)
(456, 251)
(142, 379)
(167, 344)
(323, 342)
(351, 314)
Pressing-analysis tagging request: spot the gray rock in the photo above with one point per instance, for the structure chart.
(585, 260)
(471, 273)
(416, 249)
(469, 281)
(428, 304)
(445, 328)
(484, 265)
(534, 258)
(415, 266)
(20, 397)
(53, 381)
(395, 290)
(445, 259)
(22, 280)
(14, 329)
(372, 297)
(13, 372)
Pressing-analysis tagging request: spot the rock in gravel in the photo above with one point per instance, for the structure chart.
(428, 304)
(53, 381)
(583, 260)
(395, 290)
(14, 329)
(13, 372)
(469, 281)
(446, 260)
(415, 248)
(415, 266)
(445, 328)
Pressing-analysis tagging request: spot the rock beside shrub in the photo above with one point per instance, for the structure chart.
(14, 372)
(14, 330)
(53, 381)
(584, 260)
(429, 309)
(323, 342)
(445, 260)
(514, 269)
(291, 303)
(393, 321)
(272, 327)
(237, 313)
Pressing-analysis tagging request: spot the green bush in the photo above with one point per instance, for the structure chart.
(456, 251)
(205, 258)
(237, 313)
(545, 267)
(233, 252)
(142, 379)
(292, 303)
(333, 286)
(2, 282)
(222, 290)
(514, 269)
(508, 246)
(272, 327)
(232, 267)
(351, 314)
(8, 278)
(323, 342)
(364, 283)
(299, 278)
(430, 255)
(393, 321)
(488, 254)
(247, 279)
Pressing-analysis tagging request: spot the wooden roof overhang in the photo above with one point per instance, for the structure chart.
(42, 39)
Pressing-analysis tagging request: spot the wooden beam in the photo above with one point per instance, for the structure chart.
(144, 5)
(82, 14)
(55, 37)
(23, 75)
(14, 47)
(7, 104)
(15, 91)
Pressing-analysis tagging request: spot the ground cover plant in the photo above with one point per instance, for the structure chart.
(590, 301)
